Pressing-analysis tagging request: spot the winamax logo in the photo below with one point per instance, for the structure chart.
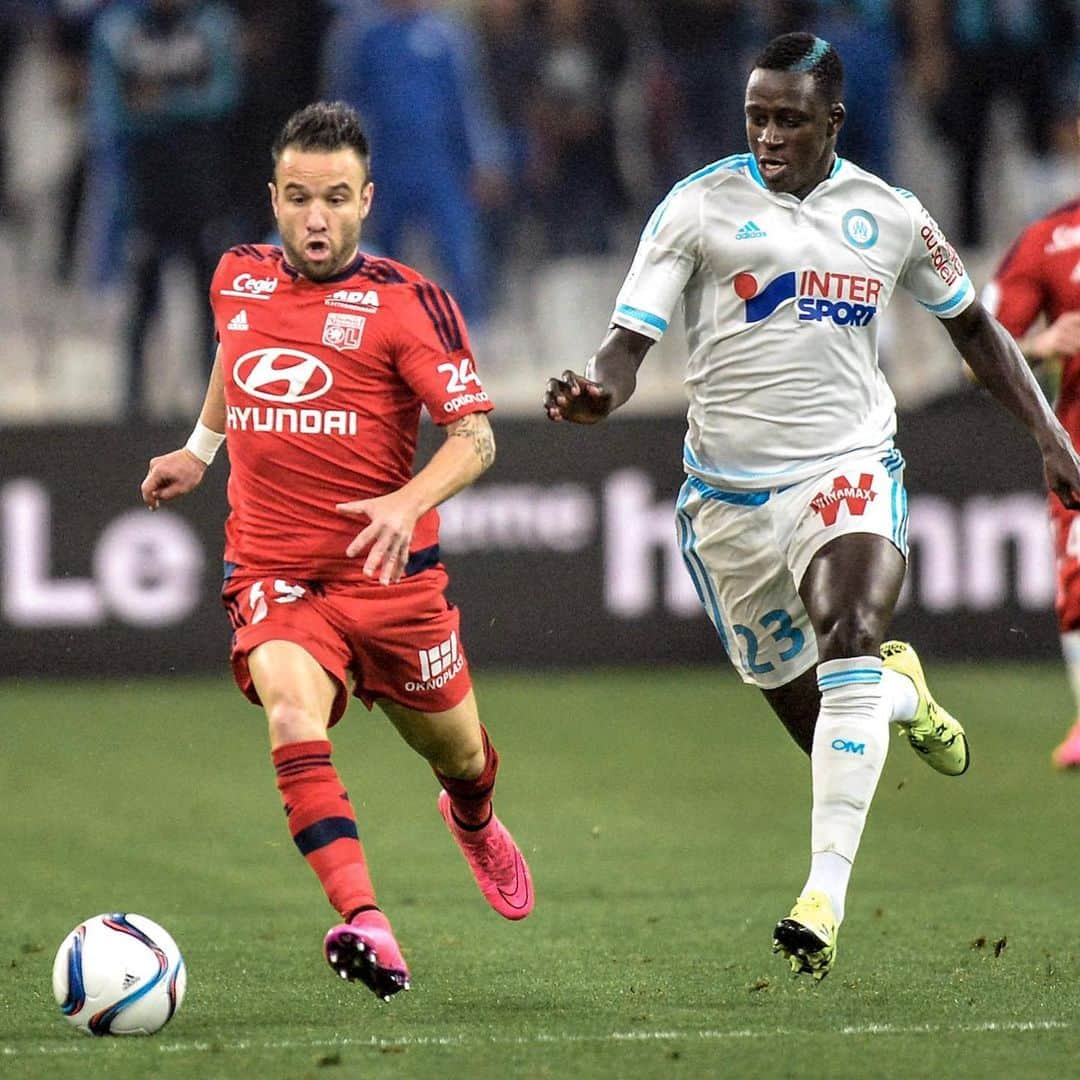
(843, 299)
(854, 496)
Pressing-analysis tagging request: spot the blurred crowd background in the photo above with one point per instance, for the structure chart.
(518, 146)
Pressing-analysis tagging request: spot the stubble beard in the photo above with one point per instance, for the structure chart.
(340, 259)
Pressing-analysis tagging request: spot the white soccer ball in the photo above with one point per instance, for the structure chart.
(119, 974)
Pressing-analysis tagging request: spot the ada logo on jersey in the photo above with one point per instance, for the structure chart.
(366, 300)
(843, 299)
(282, 375)
(342, 331)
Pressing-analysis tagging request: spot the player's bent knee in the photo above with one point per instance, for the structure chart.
(292, 723)
(853, 633)
(462, 763)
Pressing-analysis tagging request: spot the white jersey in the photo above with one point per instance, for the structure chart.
(782, 299)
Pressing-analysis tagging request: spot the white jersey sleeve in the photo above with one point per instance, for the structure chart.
(933, 272)
(666, 257)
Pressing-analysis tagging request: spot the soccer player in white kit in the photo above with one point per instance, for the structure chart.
(793, 516)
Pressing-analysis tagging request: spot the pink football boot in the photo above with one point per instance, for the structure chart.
(1067, 754)
(495, 861)
(365, 949)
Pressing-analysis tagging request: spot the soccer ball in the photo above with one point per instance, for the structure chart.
(119, 974)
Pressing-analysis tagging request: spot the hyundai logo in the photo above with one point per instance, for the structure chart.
(282, 375)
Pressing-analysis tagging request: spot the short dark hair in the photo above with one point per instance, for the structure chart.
(324, 126)
(806, 52)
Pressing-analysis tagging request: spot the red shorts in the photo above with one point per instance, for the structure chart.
(1066, 525)
(400, 642)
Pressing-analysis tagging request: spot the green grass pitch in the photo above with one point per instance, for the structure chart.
(666, 818)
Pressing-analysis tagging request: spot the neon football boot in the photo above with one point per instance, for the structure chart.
(807, 937)
(934, 735)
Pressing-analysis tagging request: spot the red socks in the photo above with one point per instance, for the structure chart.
(471, 799)
(323, 824)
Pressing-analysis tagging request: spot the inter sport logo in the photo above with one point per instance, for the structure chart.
(282, 375)
(843, 299)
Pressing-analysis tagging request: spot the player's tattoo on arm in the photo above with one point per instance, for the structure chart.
(476, 428)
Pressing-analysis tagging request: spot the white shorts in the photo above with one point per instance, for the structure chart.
(747, 552)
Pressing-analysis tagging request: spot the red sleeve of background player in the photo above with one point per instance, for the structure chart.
(435, 357)
(1017, 293)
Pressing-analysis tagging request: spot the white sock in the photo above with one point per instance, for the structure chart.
(899, 698)
(1070, 649)
(829, 873)
(850, 744)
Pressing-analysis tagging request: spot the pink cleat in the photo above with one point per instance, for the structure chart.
(1067, 754)
(496, 863)
(365, 949)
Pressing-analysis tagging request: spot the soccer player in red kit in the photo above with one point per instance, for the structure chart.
(1040, 277)
(333, 581)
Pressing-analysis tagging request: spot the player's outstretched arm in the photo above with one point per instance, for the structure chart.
(178, 472)
(997, 362)
(609, 380)
(468, 451)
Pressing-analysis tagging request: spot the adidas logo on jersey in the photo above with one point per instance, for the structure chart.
(238, 321)
(750, 231)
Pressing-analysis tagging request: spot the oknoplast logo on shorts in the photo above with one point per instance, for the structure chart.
(843, 299)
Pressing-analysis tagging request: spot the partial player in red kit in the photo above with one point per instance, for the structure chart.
(1039, 281)
(333, 581)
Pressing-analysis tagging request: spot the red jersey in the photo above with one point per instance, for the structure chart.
(1041, 275)
(324, 382)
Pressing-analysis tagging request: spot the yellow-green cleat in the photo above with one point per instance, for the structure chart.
(807, 937)
(935, 736)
